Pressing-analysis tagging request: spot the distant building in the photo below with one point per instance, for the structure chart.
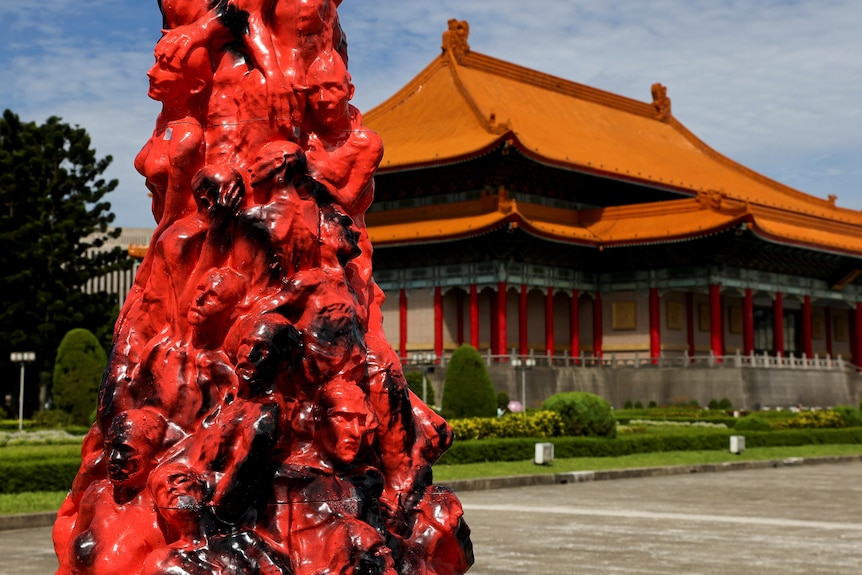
(537, 218)
(525, 213)
(135, 242)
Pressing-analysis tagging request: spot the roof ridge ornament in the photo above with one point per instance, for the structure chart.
(455, 39)
(660, 101)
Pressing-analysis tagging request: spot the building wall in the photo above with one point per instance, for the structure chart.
(746, 388)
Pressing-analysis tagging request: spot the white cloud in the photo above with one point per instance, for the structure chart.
(775, 85)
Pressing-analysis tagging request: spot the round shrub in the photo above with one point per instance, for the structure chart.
(468, 391)
(852, 416)
(78, 370)
(583, 413)
(628, 404)
(414, 381)
(713, 404)
(752, 423)
(725, 404)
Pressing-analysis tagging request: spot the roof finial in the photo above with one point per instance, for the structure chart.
(455, 39)
(660, 101)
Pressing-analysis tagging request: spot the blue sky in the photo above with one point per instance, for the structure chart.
(774, 85)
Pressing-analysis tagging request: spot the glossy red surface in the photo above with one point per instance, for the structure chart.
(253, 417)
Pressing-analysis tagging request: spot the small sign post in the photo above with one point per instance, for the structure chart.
(22, 357)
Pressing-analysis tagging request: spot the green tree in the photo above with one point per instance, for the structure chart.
(78, 372)
(52, 214)
(467, 390)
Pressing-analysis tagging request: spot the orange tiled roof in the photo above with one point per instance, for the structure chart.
(464, 104)
(659, 222)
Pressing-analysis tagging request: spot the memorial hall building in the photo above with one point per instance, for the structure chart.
(595, 240)
(532, 216)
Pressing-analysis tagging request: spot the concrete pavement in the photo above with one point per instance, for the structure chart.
(786, 518)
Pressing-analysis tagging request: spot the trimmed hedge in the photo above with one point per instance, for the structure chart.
(519, 449)
(534, 424)
(40, 475)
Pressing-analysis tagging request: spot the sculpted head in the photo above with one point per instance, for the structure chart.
(343, 409)
(312, 15)
(132, 442)
(217, 295)
(277, 162)
(338, 234)
(330, 89)
(173, 79)
(179, 493)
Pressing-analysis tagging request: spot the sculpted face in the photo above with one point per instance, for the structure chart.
(130, 446)
(345, 420)
(176, 486)
(338, 233)
(166, 81)
(216, 296)
(310, 16)
(172, 79)
(331, 90)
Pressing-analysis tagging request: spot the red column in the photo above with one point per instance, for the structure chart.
(806, 327)
(654, 325)
(549, 322)
(574, 321)
(438, 321)
(523, 347)
(597, 325)
(459, 303)
(778, 324)
(748, 322)
(827, 327)
(689, 323)
(495, 324)
(857, 347)
(502, 340)
(716, 333)
(402, 324)
(474, 316)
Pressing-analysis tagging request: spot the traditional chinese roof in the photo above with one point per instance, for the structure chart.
(465, 104)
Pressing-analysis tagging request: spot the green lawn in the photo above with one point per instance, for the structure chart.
(50, 501)
(443, 473)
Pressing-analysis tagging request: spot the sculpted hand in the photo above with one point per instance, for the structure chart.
(176, 44)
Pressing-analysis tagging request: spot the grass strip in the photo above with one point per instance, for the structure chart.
(443, 473)
(30, 502)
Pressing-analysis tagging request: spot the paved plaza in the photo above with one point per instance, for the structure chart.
(804, 519)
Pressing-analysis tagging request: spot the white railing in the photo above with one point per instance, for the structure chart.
(643, 360)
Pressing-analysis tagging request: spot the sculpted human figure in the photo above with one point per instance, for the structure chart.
(323, 307)
(319, 512)
(342, 154)
(277, 236)
(116, 526)
(198, 543)
(149, 367)
(253, 417)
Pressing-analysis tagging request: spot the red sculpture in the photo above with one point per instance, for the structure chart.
(253, 417)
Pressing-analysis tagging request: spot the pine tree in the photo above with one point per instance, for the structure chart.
(52, 211)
